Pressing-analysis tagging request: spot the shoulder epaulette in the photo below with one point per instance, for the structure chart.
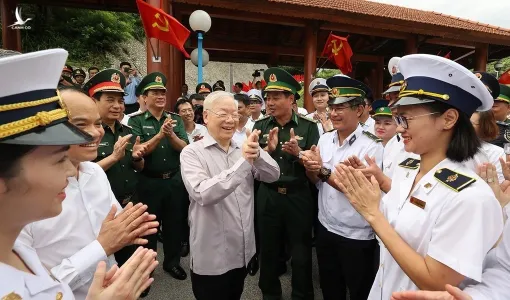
(372, 136)
(410, 163)
(265, 117)
(308, 119)
(453, 180)
(136, 113)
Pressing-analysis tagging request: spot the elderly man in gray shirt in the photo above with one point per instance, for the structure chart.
(219, 176)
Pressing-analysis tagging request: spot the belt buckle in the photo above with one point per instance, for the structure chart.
(282, 190)
(165, 175)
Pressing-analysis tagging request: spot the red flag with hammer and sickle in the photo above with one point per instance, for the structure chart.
(160, 25)
(338, 50)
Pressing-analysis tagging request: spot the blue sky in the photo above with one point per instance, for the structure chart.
(494, 12)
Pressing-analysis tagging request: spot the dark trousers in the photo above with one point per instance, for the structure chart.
(164, 199)
(131, 108)
(288, 215)
(228, 286)
(345, 263)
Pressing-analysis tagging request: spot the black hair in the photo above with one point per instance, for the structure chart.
(239, 85)
(464, 143)
(243, 98)
(93, 68)
(10, 158)
(124, 63)
(181, 102)
(196, 97)
(185, 85)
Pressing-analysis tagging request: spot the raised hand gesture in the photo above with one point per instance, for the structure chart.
(291, 146)
(272, 140)
(139, 149)
(250, 149)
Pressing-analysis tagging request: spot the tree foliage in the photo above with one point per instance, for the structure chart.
(86, 34)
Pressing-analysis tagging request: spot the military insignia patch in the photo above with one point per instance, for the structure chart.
(272, 78)
(115, 78)
(410, 163)
(299, 138)
(334, 92)
(453, 180)
(12, 296)
(202, 87)
(158, 79)
(381, 109)
(507, 135)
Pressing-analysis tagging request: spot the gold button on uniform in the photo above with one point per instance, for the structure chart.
(59, 296)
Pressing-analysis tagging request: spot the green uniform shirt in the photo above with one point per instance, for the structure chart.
(122, 175)
(307, 135)
(164, 158)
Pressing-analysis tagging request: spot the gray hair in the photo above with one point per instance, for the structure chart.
(5, 53)
(214, 96)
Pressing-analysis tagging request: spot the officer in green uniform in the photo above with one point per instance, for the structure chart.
(285, 206)
(160, 181)
(118, 153)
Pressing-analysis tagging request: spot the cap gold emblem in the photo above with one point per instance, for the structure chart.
(478, 75)
(202, 86)
(12, 296)
(158, 79)
(334, 92)
(59, 296)
(115, 78)
(381, 109)
(272, 78)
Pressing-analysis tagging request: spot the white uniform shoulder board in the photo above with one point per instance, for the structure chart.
(453, 180)
(410, 163)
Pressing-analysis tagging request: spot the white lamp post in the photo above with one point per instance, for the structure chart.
(200, 22)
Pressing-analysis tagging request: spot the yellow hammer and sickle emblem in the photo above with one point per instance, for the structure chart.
(335, 49)
(156, 24)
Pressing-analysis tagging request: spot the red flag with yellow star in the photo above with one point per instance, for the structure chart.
(160, 25)
(338, 50)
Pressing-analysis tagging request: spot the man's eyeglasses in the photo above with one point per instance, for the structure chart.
(402, 121)
(224, 116)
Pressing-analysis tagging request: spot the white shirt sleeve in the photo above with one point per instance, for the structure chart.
(475, 211)
(496, 275)
(76, 270)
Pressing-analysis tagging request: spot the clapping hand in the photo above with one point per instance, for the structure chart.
(126, 283)
(168, 127)
(139, 150)
(488, 173)
(312, 160)
(127, 228)
(119, 149)
(291, 146)
(327, 125)
(372, 169)
(364, 195)
(272, 140)
(251, 149)
(451, 293)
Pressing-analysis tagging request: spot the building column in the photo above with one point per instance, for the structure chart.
(481, 53)
(162, 49)
(310, 64)
(379, 87)
(11, 37)
(411, 45)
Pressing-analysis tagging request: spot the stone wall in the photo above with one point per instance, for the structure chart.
(135, 52)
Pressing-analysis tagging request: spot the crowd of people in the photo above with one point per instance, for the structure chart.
(403, 197)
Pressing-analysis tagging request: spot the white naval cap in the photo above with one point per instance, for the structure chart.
(318, 85)
(31, 110)
(255, 94)
(431, 78)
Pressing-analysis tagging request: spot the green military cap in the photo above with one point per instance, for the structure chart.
(109, 80)
(344, 89)
(384, 111)
(78, 72)
(153, 81)
(203, 87)
(279, 80)
(504, 93)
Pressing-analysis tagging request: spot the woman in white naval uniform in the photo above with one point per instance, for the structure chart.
(439, 219)
(34, 138)
(487, 130)
(319, 91)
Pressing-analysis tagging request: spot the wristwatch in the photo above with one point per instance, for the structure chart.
(324, 174)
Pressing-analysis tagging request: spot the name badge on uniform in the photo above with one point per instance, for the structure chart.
(298, 138)
(352, 140)
(149, 127)
(421, 204)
